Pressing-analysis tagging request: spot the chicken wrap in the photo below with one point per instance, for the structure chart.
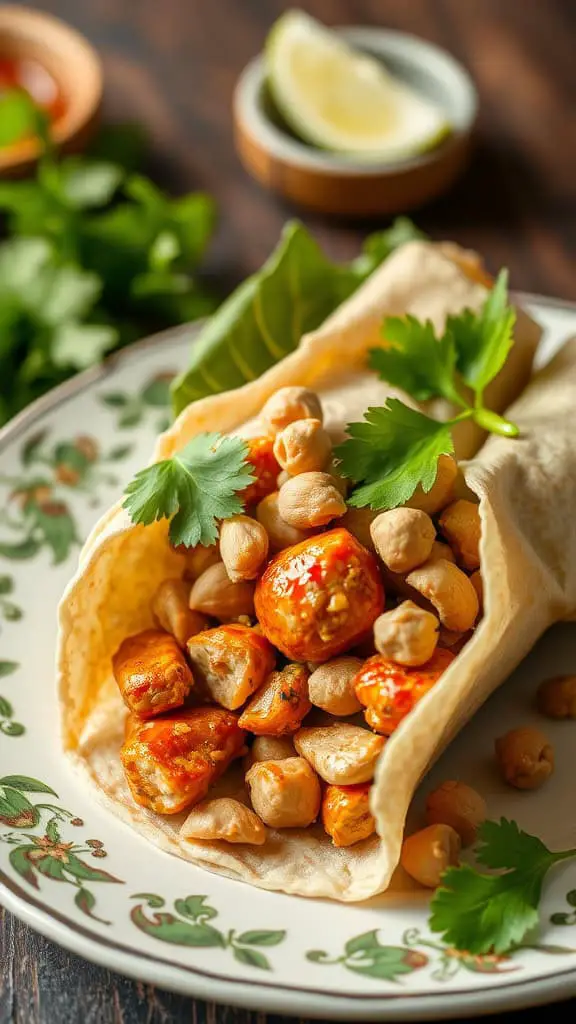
(237, 704)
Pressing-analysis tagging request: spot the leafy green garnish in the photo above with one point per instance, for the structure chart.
(194, 489)
(484, 913)
(265, 318)
(103, 231)
(396, 449)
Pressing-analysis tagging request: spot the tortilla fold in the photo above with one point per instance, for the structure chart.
(526, 491)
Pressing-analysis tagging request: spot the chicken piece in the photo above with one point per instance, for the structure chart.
(318, 598)
(171, 763)
(285, 794)
(280, 704)
(171, 610)
(264, 467)
(152, 673)
(231, 662)
(346, 813)
(342, 754)
(225, 819)
(389, 691)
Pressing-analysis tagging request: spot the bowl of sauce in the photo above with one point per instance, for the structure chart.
(59, 70)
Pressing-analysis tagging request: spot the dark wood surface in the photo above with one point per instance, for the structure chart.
(172, 65)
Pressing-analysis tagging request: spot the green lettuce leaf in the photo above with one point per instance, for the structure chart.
(265, 318)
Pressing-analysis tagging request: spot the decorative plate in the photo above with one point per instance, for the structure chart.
(81, 877)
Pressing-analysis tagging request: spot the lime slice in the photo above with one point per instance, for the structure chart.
(343, 100)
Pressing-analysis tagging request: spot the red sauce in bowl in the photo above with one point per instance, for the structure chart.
(28, 74)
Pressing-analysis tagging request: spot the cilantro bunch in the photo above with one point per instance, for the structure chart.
(396, 448)
(95, 256)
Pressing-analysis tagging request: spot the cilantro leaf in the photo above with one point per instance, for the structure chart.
(415, 360)
(483, 340)
(481, 913)
(393, 451)
(381, 244)
(194, 489)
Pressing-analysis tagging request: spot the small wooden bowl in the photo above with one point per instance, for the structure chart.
(332, 183)
(74, 65)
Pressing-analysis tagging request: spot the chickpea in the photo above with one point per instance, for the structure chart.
(426, 854)
(243, 547)
(458, 805)
(358, 522)
(269, 748)
(215, 594)
(441, 491)
(199, 559)
(282, 478)
(407, 635)
(341, 482)
(441, 550)
(289, 404)
(460, 524)
(280, 534)
(310, 500)
(525, 758)
(403, 538)
(302, 447)
(170, 608)
(285, 794)
(449, 590)
(341, 753)
(330, 688)
(556, 697)
(224, 819)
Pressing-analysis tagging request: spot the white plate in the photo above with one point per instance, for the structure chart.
(76, 874)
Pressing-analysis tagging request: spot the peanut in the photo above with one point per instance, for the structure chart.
(215, 594)
(310, 500)
(407, 634)
(441, 491)
(525, 758)
(556, 697)
(329, 686)
(171, 609)
(302, 447)
(243, 547)
(457, 805)
(199, 559)
(441, 550)
(449, 590)
(269, 748)
(403, 538)
(426, 854)
(289, 404)
(280, 534)
(460, 524)
(358, 522)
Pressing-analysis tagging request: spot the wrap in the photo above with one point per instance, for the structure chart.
(528, 555)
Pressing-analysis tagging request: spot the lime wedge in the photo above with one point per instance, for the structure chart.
(340, 99)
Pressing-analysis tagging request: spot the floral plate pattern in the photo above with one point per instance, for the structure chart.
(81, 877)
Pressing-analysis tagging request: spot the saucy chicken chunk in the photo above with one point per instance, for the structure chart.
(389, 691)
(346, 813)
(170, 763)
(152, 673)
(231, 662)
(265, 469)
(320, 597)
(280, 704)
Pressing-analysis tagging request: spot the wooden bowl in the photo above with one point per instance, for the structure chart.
(332, 183)
(75, 67)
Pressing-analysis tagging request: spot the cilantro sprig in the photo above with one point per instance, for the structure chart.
(396, 448)
(195, 489)
(483, 913)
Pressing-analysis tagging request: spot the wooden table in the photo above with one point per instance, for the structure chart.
(173, 65)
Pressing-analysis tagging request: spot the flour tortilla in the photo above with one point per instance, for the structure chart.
(525, 493)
